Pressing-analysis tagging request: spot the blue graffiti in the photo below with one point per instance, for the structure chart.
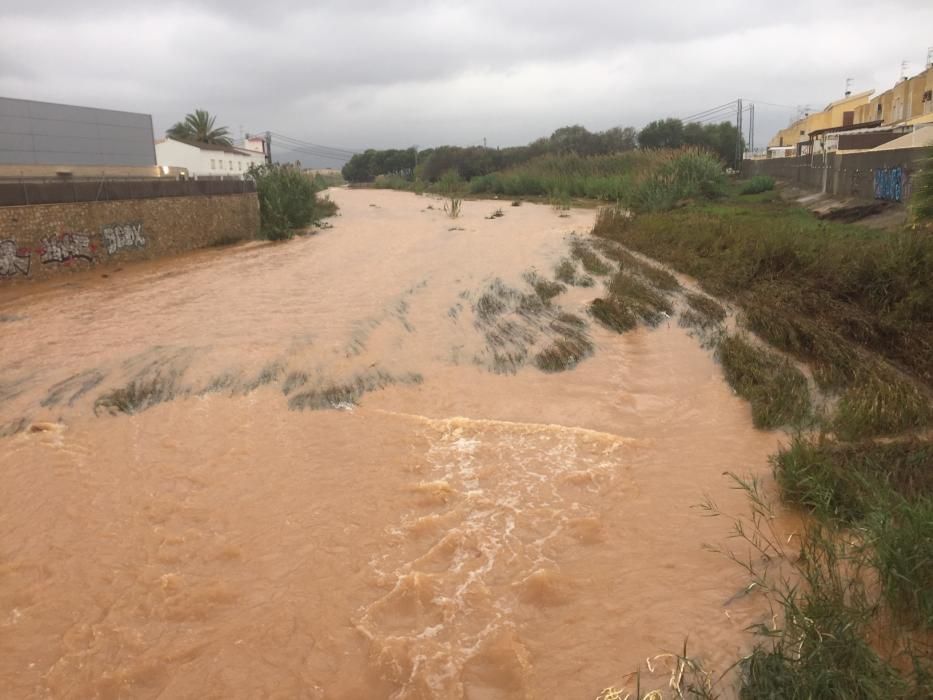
(890, 184)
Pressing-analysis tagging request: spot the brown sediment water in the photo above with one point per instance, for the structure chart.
(332, 469)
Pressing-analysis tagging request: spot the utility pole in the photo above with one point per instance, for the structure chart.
(739, 130)
(268, 148)
(751, 127)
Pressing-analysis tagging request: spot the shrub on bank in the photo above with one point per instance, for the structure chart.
(287, 200)
(758, 184)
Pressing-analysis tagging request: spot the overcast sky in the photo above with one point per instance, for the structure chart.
(387, 73)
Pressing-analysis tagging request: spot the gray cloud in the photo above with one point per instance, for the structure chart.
(397, 73)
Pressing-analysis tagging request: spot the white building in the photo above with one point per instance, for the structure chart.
(203, 159)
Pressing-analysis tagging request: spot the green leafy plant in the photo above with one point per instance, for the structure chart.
(287, 200)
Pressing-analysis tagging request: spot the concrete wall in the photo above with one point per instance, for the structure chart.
(869, 175)
(40, 241)
(42, 133)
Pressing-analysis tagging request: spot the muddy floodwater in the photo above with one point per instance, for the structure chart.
(333, 468)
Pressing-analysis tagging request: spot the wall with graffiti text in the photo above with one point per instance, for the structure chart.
(42, 240)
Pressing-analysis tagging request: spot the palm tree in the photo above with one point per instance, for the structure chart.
(199, 127)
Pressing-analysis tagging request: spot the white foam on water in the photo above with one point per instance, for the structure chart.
(460, 571)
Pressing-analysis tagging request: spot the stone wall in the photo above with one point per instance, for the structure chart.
(39, 241)
(883, 174)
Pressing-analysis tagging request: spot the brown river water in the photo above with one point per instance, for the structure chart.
(452, 523)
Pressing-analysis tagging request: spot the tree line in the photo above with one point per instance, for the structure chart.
(468, 162)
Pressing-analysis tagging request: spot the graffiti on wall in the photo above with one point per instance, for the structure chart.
(891, 184)
(66, 248)
(13, 260)
(120, 236)
(69, 247)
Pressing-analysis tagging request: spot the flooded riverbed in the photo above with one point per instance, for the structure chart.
(334, 468)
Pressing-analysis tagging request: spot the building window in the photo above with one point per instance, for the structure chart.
(212, 163)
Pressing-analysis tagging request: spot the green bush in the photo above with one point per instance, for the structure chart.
(758, 184)
(287, 200)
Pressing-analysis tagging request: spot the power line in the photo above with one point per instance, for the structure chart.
(693, 117)
(316, 154)
(317, 146)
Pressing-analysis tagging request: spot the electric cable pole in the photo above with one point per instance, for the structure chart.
(739, 130)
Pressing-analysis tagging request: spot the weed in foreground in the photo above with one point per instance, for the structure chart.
(825, 609)
(776, 389)
(845, 482)
(902, 553)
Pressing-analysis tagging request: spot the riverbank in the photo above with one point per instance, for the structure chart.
(848, 314)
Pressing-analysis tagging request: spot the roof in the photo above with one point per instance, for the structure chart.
(213, 147)
(849, 98)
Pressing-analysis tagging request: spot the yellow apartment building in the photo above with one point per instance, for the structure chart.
(842, 112)
(909, 99)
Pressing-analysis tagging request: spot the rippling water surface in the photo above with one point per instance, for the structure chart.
(332, 469)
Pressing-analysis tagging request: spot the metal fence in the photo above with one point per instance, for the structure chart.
(23, 193)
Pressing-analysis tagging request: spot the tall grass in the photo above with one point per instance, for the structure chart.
(852, 593)
(643, 180)
(775, 388)
(819, 290)
(826, 608)
(922, 198)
